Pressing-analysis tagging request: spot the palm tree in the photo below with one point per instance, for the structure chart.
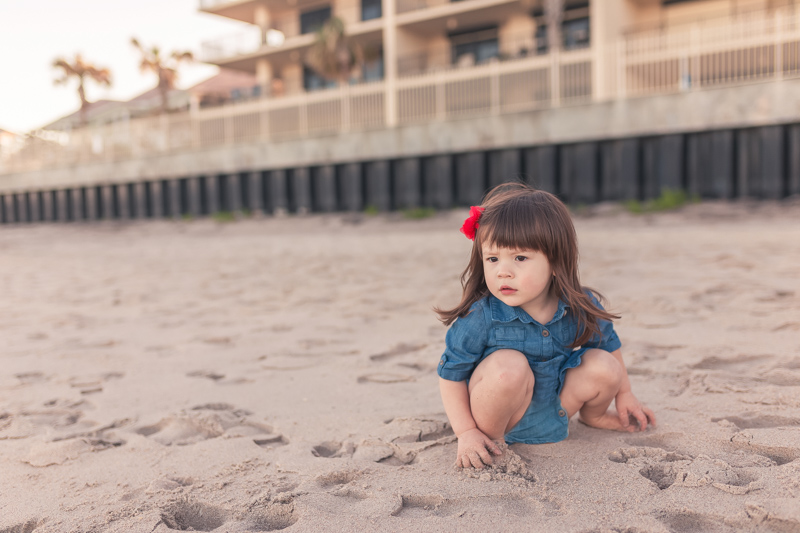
(81, 70)
(333, 56)
(165, 68)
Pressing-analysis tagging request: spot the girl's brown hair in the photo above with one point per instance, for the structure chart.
(521, 217)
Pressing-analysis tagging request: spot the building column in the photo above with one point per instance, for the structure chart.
(351, 187)
(324, 188)
(106, 202)
(437, 177)
(301, 190)
(390, 62)
(175, 210)
(76, 199)
(8, 209)
(61, 203)
(234, 193)
(407, 183)
(378, 185)
(48, 206)
(212, 194)
(35, 210)
(255, 200)
(91, 203)
(193, 193)
(22, 207)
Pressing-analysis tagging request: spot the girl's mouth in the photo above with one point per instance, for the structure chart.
(507, 290)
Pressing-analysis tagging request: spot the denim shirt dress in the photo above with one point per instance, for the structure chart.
(492, 325)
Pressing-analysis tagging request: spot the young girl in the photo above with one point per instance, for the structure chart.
(529, 346)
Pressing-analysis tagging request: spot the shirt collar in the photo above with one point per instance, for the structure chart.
(505, 313)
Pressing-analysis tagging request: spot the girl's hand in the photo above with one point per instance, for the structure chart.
(629, 408)
(474, 449)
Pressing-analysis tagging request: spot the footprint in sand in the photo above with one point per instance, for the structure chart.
(216, 377)
(726, 363)
(666, 469)
(341, 483)
(210, 421)
(23, 527)
(385, 377)
(187, 515)
(398, 442)
(759, 421)
(30, 378)
(93, 384)
(400, 349)
(425, 505)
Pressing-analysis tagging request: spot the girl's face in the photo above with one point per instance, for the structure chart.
(519, 278)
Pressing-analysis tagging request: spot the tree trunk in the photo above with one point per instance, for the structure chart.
(84, 101)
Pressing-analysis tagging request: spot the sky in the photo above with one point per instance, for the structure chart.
(35, 32)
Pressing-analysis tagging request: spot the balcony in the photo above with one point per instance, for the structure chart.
(721, 53)
(284, 34)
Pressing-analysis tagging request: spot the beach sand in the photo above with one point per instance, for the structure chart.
(281, 374)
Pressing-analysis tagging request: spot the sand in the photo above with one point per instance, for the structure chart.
(280, 374)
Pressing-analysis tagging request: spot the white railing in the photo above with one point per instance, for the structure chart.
(713, 54)
(716, 52)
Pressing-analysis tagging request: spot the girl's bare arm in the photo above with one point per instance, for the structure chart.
(474, 447)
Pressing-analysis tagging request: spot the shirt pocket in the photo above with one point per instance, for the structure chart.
(509, 334)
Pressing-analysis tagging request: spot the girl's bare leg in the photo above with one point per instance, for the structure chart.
(591, 387)
(500, 391)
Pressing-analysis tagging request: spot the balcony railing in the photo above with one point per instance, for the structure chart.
(762, 47)
(285, 27)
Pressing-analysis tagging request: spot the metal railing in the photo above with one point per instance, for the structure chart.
(716, 53)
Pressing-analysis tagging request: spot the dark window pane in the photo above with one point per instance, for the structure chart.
(474, 46)
(311, 21)
(371, 9)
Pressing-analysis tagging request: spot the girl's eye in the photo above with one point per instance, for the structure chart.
(520, 258)
(492, 259)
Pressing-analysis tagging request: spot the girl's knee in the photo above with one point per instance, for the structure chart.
(507, 369)
(603, 367)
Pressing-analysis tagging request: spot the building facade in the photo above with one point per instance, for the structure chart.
(624, 88)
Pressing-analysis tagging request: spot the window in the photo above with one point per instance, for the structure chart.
(575, 34)
(312, 21)
(371, 9)
(474, 46)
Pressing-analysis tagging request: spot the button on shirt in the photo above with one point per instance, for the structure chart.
(492, 325)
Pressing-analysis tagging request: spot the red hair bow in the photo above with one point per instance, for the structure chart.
(471, 225)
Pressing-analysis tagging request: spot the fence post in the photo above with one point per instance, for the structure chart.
(694, 57)
(621, 69)
(555, 78)
(441, 97)
(494, 88)
(346, 95)
(303, 108)
(778, 32)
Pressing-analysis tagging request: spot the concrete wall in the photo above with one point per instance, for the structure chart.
(757, 162)
(718, 109)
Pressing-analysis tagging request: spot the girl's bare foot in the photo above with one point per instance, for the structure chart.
(608, 420)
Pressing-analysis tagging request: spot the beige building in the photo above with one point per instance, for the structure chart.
(633, 96)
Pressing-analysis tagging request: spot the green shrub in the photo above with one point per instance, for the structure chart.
(419, 213)
(371, 210)
(670, 199)
(224, 216)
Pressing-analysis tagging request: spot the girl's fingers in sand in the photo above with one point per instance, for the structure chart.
(475, 449)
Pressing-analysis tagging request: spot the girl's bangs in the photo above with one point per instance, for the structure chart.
(515, 226)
